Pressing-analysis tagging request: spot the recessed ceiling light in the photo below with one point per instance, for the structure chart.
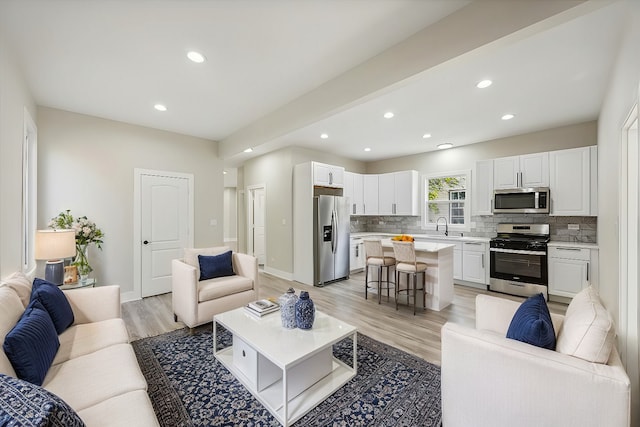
(224, 172)
(367, 149)
(160, 107)
(484, 83)
(426, 135)
(445, 145)
(324, 136)
(388, 115)
(508, 116)
(196, 57)
(248, 150)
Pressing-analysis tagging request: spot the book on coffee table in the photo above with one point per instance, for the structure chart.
(261, 307)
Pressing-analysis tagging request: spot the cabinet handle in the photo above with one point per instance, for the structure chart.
(393, 208)
(354, 208)
(330, 177)
(472, 243)
(569, 249)
(587, 272)
(357, 251)
(482, 260)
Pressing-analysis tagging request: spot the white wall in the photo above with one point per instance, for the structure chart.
(464, 157)
(275, 171)
(86, 164)
(14, 98)
(621, 96)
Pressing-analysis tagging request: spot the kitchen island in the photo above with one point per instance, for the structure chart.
(439, 275)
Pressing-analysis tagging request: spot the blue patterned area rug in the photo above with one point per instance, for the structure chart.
(189, 387)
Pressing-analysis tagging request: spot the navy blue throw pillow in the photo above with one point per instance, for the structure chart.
(25, 404)
(32, 344)
(215, 266)
(54, 301)
(532, 324)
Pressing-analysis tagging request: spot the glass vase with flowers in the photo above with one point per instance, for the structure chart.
(87, 233)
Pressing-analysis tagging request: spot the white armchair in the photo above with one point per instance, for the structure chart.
(195, 302)
(490, 380)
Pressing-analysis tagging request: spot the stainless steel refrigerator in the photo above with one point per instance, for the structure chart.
(330, 239)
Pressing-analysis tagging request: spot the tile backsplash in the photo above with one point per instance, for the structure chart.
(485, 226)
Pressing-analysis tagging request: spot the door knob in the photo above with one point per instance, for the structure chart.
(146, 242)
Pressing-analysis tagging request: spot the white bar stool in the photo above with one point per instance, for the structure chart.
(375, 258)
(405, 253)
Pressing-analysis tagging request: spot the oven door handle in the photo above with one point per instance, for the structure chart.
(517, 251)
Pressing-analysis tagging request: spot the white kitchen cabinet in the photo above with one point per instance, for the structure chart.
(573, 182)
(328, 175)
(370, 194)
(457, 261)
(474, 262)
(571, 269)
(398, 193)
(482, 188)
(529, 170)
(354, 190)
(357, 258)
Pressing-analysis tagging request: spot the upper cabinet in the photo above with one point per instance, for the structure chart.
(354, 190)
(573, 181)
(398, 193)
(530, 170)
(370, 192)
(482, 187)
(328, 175)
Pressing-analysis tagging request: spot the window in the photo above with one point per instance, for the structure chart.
(29, 192)
(446, 199)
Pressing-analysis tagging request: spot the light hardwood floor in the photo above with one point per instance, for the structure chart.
(419, 334)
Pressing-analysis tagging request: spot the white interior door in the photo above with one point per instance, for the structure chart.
(257, 223)
(164, 229)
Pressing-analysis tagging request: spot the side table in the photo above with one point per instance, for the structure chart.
(88, 283)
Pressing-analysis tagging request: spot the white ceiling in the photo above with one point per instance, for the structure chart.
(116, 59)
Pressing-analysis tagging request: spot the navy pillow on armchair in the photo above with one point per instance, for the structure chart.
(532, 323)
(215, 266)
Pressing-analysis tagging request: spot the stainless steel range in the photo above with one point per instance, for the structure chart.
(519, 259)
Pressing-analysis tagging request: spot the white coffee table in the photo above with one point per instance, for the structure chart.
(290, 371)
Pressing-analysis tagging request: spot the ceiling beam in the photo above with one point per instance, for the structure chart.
(482, 24)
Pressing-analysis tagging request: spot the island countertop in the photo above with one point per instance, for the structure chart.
(422, 246)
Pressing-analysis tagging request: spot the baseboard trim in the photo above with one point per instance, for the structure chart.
(278, 273)
(129, 296)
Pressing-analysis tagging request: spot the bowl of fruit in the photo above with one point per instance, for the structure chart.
(403, 238)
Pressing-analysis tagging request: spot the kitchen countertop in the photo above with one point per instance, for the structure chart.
(573, 245)
(424, 236)
(422, 246)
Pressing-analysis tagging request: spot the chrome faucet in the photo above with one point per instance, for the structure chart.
(446, 225)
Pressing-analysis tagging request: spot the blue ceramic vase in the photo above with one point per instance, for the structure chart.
(288, 302)
(305, 311)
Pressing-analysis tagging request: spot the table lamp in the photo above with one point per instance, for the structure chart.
(54, 246)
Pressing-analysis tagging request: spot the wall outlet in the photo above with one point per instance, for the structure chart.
(573, 226)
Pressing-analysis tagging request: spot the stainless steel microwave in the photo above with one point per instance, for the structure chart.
(521, 200)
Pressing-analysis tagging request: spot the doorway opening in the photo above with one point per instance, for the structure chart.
(256, 222)
(629, 270)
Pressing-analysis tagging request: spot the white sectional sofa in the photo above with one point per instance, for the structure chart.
(491, 380)
(95, 370)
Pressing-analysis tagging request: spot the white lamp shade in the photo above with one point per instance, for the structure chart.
(55, 244)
